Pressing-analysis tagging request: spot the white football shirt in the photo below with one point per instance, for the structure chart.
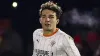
(58, 44)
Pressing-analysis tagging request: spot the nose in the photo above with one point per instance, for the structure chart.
(47, 19)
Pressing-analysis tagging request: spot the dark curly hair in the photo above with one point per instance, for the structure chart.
(51, 6)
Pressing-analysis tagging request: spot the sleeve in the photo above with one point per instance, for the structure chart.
(33, 44)
(34, 35)
(69, 46)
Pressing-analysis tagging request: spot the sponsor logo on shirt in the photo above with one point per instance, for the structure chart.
(43, 53)
(52, 43)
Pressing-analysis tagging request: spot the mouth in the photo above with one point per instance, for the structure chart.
(47, 25)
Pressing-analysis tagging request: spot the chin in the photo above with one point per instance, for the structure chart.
(48, 29)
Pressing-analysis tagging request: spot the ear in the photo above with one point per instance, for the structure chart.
(57, 21)
(40, 20)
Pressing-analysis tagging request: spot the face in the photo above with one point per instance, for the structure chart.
(48, 19)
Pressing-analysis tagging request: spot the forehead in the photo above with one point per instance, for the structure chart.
(48, 12)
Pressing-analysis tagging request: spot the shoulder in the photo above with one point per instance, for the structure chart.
(60, 32)
(37, 31)
(64, 35)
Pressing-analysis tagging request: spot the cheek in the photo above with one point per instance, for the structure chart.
(41, 20)
(54, 22)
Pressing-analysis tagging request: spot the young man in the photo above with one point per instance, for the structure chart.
(50, 40)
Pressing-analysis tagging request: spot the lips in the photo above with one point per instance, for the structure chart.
(47, 25)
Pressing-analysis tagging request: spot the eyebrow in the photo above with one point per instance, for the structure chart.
(43, 15)
(49, 15)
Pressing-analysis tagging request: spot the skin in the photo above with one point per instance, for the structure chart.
(49, 21)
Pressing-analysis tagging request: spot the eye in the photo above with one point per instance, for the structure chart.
(43, 17)
(51, 17)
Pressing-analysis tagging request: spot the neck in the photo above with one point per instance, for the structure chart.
(49, 32)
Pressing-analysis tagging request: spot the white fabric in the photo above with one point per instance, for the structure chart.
(59, 44)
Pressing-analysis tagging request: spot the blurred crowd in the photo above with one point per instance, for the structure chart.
(11, 43)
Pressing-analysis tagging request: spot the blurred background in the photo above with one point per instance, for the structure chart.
(19, 18)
